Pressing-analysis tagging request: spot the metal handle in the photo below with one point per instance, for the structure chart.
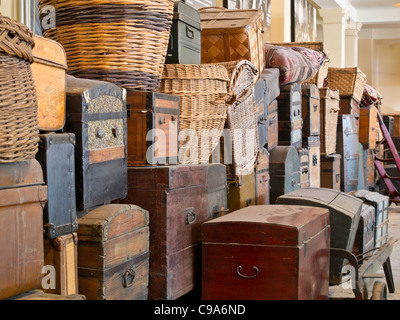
(128, 274)
(100, 133)
(190, 216)
(315, 107)
(256, 270)
(315, 160)
(189, 33)
(338, 177)
(161, 120)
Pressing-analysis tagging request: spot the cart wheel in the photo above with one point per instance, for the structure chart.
(379, 291)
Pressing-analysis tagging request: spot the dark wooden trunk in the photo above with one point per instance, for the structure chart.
(345, 213)
(284, 164)
(273, 132)
(153, 128)
(96, 114)
(23, 195)
(262, 179)
(270, 252)
(304, 168)
(330, 171)
(311, 110)
(56, 155)
(312, 143)
(113, 253)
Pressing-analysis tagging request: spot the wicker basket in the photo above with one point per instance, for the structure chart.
(349, 81)
(19, 133)
(203, 92)
(123, 42)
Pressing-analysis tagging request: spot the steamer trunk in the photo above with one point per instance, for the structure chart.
(314, 157)
(330, 171)
(369, 169)
(368, 126)
(272, 123)
(217, 190)
(241, 191)
(304, 168)
(365, 236)
(262, 179)
(329, 100)
(311, 110)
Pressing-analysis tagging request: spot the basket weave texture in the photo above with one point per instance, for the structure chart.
(122, 42)
(19, 133)
(329, 120)
(349, 81)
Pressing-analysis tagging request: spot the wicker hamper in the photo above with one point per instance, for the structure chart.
(124, 42)
(349, 81)
(18, 101)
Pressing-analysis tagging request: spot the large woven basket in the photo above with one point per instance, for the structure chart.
(124, 42)
(203, 92)
(349, 81)
(19, 133)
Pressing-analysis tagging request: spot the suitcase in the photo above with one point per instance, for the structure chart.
(347, 146)
(49, 73)
(241, 191)
(262, 180)
(330, 171)
(176, 197)
(272, 123)
(56, 155)
(290, 120)
(344, 216)
(62, 254)
(153, 128)
(113, 253)
(368, 126)
(304, 168)
(185, 41)
(23, 195)
(39, 295)
(311, 110)
(96, 114)
(368, 169)
(365, 237)
(284, 166)
(217, 190)
(312, 143)
(230, 35)
(270, 252)
(329, 100)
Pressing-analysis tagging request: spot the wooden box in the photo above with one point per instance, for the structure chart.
(22, 198)
(270, 252)
(49, 72)
(230, 35)
(62, 254)
(344, 216)
(365, 236)
(153, 128)
(284, 166)
(311, 110)
(313, 144)
(272, 122)
(113, 253)
(368, 126)
(262, 179)
(329, 100)
(349, 105)
(330, 171)
(304, 168)
(241, 191)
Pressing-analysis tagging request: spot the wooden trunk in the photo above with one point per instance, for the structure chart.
(230, 35)
(22, 198)
(304, 168)
(329, 100)
(344, 213)
(270, 252)
(185, 40)
(368, 127)
(311, 110)
(176, 197)
(290, 122)
(62, 254)
(284, 164)
(153, 128)
(369, 169)
(365, 237)
(347, 146)
(262, 179)
(96, 114)
(49, 72)
(241, 191)
(330, 171)
(113, 253)
(349, 105)
(312, 143)
(272, 123)
(217, 201)
(56, 155)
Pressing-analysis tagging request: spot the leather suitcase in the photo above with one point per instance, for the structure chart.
(270, 252)
(185, 41)
(241, 191)
(344, 216)
(113, 253)
(284, 166)
(96, 114)
(329, 100)
(49, 73)
(176, 197)
(365, 237)
(262, 179)
(290, 120)
(153, 128)
(217, 190)
(304, 168)
(330, 171)
(368, 126)
(56, 155)
(311, 110)
(368, 169)
(23, 195)
(62, 254)
(347, 146)
(272, 123)
(312, 143)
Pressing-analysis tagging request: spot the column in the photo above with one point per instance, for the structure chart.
(352, 30)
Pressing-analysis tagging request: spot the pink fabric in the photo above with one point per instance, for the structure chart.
(370, 96)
